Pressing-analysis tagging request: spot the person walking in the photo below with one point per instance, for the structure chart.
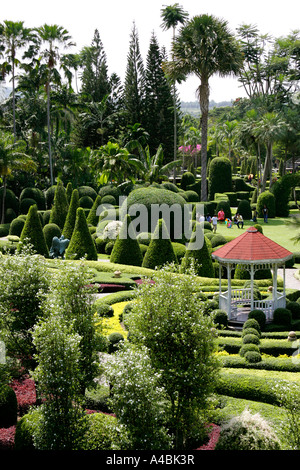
(265, 213)
(214, 223)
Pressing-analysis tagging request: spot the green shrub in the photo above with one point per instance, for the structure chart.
(50, 231)
(10, 215)
(81, 244)
(252, 357)
(71, 215)
(248, 347)
(187, 179)
(93, 217)
(86, 202)
(250, 331)
(259, 228)
(294, 308)
(247, 432)
(33, 234)
(87, 191)
(282, 316)
(220, 318)
(244, 209)
(226, 208)
(144, 238)
(260, 316)
(25, 428)
(60, 206)
(126, 249)
(201, 257)
(220, 177)
(104, 310)
(266, 198)
(102, 434)
(170, 187)
(114, 341)
(36, 194)
(250, 338)
(217, 240)
(16, 226)
(160, 250)
(110, 190)
(179, 250)
(109, 199)
(8, 406)
(191, 196)
(11, 200)
(46, 217)
(252, 323)
(26, 204)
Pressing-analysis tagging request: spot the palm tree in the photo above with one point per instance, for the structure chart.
(53, 36)
(204, 47)
(12, 157)
(14, 36)
(269, 129)
(172, 15)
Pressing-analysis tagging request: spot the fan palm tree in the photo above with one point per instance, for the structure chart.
(204, 47)
(13, 37)
(54, 37)
(172, 15)
(12, 157)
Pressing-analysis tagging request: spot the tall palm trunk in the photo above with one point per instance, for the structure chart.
(267, 167)
(3, 199)
(204, 107)
(49, 132)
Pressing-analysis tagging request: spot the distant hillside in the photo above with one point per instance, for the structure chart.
(193, 107)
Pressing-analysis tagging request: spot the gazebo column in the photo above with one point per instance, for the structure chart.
(252, 281)
(274, 286)
(229, 290)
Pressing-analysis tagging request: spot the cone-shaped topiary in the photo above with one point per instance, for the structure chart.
(127, 249)
(160, 250)
(69, 191)
(33, 234)
(71, 216)
(81, 244)
(201, 256)
(93, 218)
(60, 206)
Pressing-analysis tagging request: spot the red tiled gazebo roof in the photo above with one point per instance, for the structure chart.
(252, 247)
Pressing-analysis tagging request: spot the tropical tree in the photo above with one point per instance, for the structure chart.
(172, 15)
(53, 37)
(204, 47)
(13, 36)
(12, 157)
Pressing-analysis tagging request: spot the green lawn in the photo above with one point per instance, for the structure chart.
(276, 229)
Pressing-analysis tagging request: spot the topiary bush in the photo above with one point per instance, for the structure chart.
(25, 428)
(81, 244)
(71, 215)
(282, 316)
(86, 202)
(104, 310)
(248, 347)
(103, 433)
(114, 341)
(16, 226)
(253, 357)
(25, 204)
(109, 199)
(87, 191)
(226, 208)
(36, 194)
(259, 316)
(252, 323)
(50, 231)
(33, 234)
(220, 318)
(250, 331)
(244, 208)
(160, 250)
(110, 190)
(191, 196)
(126, 249)
(294, 308)
(187, 179)
(60, 206)
(220, 177)
(247, 432)
(201, 257)
(93, 217)
(251, 338)
(266, 198)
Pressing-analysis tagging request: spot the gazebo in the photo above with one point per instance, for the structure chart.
(251, 251)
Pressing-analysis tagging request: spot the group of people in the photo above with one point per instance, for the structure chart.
(237, 219)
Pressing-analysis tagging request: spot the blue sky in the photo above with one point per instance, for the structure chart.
(114, 20)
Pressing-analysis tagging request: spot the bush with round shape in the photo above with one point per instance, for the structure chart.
(50, 231)
(100, 245)
(110, 190)
(81, 244)
(258, 227)
(179, 250)
(109, 199)
(259, 316)
(220, 177)
(250, 331)
(33, 234)
(10, 215)
(36, 194)
(8, 406)
(250, 338)
(282, 316)
(86, 202)
(102, 433)
(126, 249)
(160, 250)
(294, 308)
(266, 198)
(252, 323)
(114, 341)
(104, 310)
(220, 318)
(153, 203)
(253, 357)
(247, 432)
(11, 200)
(170, 187)
(217, 240)
(87, 191)
(16, 226)
(25, 204)
(25, 428)
(191, 196)
(49, 196)
(244, 208)
(187, 179)
(46, 217)
(248, 347)
(60, 206)
(226, 208)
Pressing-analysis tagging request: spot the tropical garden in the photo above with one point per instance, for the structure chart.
(118, 342)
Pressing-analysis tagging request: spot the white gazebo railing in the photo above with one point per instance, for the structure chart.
(240, 299)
